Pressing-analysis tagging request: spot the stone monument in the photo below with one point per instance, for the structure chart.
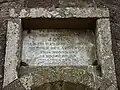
(59, 49)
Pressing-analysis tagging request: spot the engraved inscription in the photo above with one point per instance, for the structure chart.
(58, 47)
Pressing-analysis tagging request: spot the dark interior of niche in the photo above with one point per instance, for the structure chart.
(59, 23)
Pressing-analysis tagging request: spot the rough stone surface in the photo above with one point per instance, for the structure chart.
(12, 57)
(15, 85)
(37, 76)
(105, 50)
(58, 12)
(74, 86)
(113, 5)
(60, 85)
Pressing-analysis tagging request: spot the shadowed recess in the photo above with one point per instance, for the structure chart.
(59, 23)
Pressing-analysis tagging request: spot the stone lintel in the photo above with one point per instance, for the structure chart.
(68, 12)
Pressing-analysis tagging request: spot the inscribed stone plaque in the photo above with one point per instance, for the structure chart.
(58, 47)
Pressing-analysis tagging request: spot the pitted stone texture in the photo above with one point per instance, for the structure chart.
(58, 3)
(12, 57)
(27, 81)
(60, 85)
(15, 85)
(47, 86)
(60, 12)
(42, 75)
(104, 49)
(75, 86)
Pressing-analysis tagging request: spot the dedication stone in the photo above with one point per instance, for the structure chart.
(58, 47)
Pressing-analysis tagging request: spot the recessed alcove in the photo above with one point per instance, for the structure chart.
(58, 41)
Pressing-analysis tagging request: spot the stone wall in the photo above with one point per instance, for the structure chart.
(113, 5)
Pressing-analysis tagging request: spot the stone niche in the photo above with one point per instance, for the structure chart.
(58, 42)
(59, 49)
